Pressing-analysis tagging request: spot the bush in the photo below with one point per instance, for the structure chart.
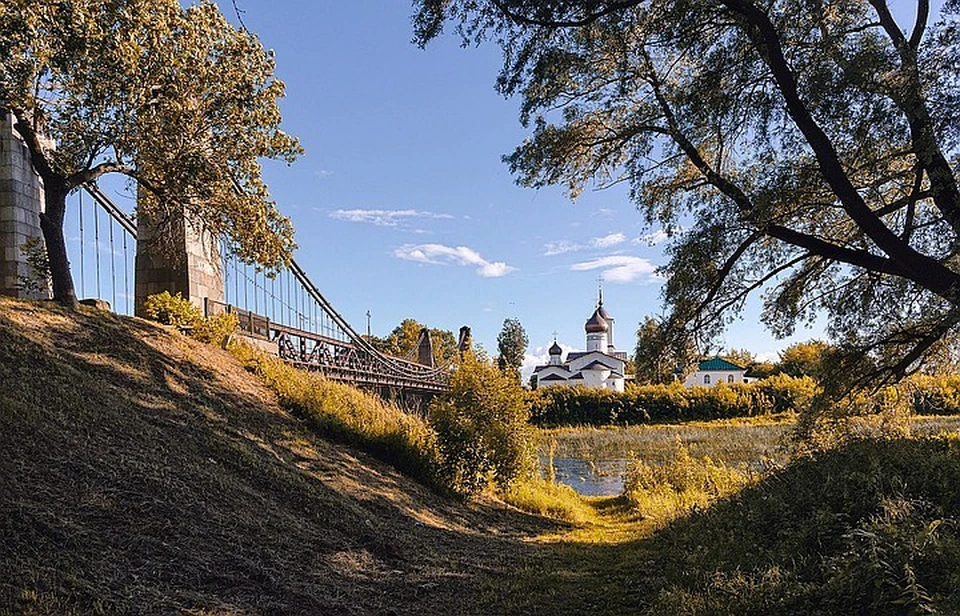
(549, 499)
(339, 411)
(483, 429)
(171, 310)
(933, 395)
(216, 330)
(565, 406)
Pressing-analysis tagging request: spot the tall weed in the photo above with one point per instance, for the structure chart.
(663, 492)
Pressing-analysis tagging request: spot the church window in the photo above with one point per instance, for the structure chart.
(729, 378)
(706, 379)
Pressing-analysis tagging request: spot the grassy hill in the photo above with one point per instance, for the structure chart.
(141, 471)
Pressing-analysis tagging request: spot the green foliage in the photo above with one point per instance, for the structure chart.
(179, 312)
(869, 527)
(171, 310)
(173, 97)
(216, 330)
(511, 345)
(339, 411)
(483, 430)
(660, 353)
(733, 120)
(935, 395)
(805, 359)
(740, 357)
(38, 281)
(564, 406)
(663, 492)
(402, 341)
(549, 499)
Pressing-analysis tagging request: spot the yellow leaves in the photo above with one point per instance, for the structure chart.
(177, 93)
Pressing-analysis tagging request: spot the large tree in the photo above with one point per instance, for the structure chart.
(660, 356)
(512, 344)
(176, 99)
(403, 341)
(807, 148)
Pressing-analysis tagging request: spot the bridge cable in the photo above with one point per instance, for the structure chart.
(126, 274)
(83, 285)
(96, 246)
(113, 270)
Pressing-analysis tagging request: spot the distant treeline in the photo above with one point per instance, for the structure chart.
(559, 406)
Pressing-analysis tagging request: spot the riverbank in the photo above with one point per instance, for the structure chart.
(144, 472)
(591, 459)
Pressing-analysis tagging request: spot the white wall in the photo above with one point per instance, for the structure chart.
(719, 376)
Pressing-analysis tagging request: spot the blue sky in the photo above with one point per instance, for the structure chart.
(403, 207)
(401, 203)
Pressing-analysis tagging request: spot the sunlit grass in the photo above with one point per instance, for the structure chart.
(549, 499)
(738, 443)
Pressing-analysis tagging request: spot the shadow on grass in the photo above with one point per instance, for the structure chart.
(144, 472)
(871, 528)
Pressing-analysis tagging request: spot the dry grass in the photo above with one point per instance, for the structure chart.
(143, 472)
(738, 443)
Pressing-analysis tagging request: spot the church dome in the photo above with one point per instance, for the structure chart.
(603, 312)
(555, 349)
(597, 323)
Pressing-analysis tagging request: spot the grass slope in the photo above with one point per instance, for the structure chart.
(142, 472)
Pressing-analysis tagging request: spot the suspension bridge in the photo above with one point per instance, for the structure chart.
(283, 312)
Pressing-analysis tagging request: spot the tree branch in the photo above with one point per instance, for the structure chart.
(817, 246)
(37, 155)
(920, 25)
(920, 268)
(91, 174)
(588, 19)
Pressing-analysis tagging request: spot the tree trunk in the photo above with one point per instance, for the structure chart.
(51, 223)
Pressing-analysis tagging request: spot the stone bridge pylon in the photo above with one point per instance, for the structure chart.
(21, 202)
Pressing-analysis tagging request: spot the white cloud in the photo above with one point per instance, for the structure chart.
(770, 356)
(438, 254)
(560, 247)
(539, 357)
(653, 238)
(384, 218)
(608, 240)
(620, 268)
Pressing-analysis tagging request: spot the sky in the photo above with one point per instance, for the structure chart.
(403, 207)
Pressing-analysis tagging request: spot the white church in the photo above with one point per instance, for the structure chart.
(601, 366)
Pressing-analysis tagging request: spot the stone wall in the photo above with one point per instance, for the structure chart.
(21, 202)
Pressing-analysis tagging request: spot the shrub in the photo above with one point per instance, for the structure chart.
(549, 499)
(403, 440)
(935, 395)
(483, 429)
(559, 406)
(216, 330)
(171, 310)
(664, 492)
